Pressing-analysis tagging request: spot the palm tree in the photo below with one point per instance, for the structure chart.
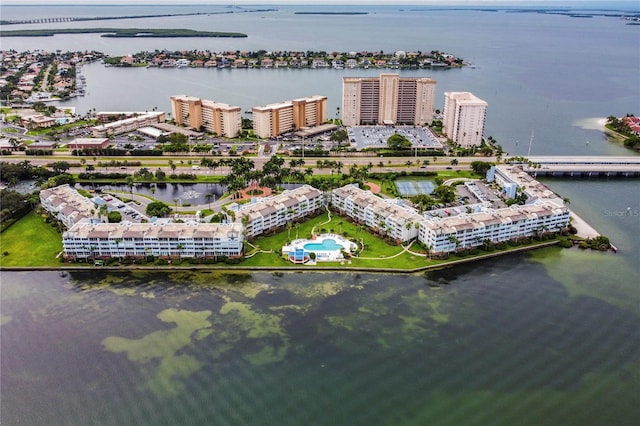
(408, 226)
(180, 247)
(117, 241)
(130, 185)
(153, 191)
(429, 249)
(453, 239)
(209, 196)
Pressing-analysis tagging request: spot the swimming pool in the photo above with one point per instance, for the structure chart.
(326, 245)
(322, 248)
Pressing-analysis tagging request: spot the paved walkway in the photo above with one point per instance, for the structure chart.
(584, 229)
(373, 187)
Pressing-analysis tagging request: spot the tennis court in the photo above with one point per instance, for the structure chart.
(408, 188)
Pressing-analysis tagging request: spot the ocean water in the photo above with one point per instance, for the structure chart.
(475, 345)
(548, 337)
(541, 74)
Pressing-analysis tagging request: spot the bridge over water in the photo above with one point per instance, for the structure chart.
(625, 166)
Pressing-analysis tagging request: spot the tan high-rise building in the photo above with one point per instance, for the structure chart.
(275, 119)
(214, 117)
(464, 118)
(388, 99)
(221, 119)
(187, 110)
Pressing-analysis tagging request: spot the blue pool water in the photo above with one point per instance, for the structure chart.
(325, 245)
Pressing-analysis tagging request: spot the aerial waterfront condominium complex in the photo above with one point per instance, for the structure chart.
(160, 239)
(449, 233)
(275, 119)
(388, 99)
(464, 117)
(214, 117)
(268, 213)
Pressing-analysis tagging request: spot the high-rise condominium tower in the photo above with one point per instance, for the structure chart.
(388, 99)
(464, 117)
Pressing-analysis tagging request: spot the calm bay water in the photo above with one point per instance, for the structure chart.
(484, 347)
(550, 337)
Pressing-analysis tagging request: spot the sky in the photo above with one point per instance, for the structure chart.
(321, 2)
(576, 4)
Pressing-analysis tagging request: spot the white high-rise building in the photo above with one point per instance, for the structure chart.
(464, 117)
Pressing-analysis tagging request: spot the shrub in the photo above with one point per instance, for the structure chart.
(566, 243)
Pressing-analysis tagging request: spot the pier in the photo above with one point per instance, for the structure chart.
(585, 166)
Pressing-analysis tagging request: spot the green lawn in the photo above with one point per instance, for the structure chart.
(33, 242)
(30, 242)
(379, 252)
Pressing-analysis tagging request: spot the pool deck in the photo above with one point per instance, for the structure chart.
(321, 255)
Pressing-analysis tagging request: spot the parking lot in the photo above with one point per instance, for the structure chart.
(129, 211)
(376, 136)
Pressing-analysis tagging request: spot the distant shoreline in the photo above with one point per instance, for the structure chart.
(110, 18)
(122, 33)
(331, 13)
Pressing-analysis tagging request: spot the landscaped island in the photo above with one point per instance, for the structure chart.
(626, 129)
(121, 32)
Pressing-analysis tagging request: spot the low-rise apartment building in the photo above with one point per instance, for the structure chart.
(127, 125)
(86, 237)
(389, 217)
(67, 205)
(159, 239)
(448, 234)
(38, 121)
(444, 235)
(513, 179)
(81, 143)
(269, 213)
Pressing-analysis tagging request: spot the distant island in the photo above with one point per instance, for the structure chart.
(122, 32)
(331, 13)
(399, 59)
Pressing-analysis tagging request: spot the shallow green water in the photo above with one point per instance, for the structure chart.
(478, 345)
